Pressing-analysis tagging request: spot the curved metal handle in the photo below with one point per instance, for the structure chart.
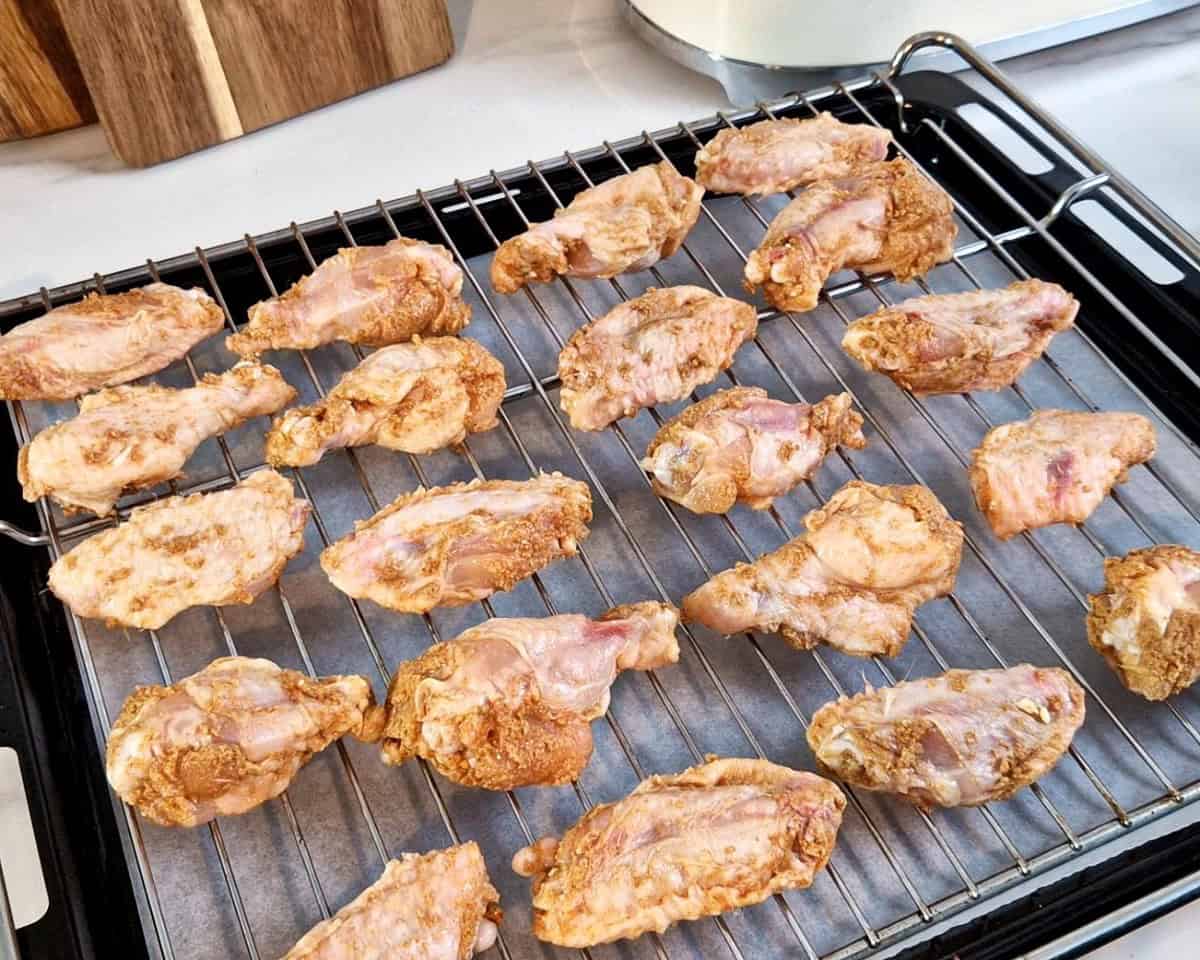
(23, 536)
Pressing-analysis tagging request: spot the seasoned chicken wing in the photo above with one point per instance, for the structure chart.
(434, 906)
(102, 340)
(130, 438)
(453, 545)
(722, 835)
(885, 217)
(961, 739)
(226, 739)
(210, 549)
(656, 348)
(739, 445)
(1055, 467)
(957, 342)
(867, 560)
(773, 156)
(509, 703)
(625, 224)
(1146, 621)
(415, 397)
(369, 295)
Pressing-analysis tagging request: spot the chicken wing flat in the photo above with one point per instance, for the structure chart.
(432, 906)
(226, 739)
(625, 224)
(722, 835)
(773, 156)
(102, 340)
(369, 295)
(1055, 467)
(885, 217)
(509, 703)
(130, 438)
(208, 548)
(414, 397)
(449, 546)
(739, 445)
(656, 348)
(958, 342)
(867, 560)
(961, 739)
(1146, 621)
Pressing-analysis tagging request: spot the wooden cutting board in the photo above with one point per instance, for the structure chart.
(171, 76)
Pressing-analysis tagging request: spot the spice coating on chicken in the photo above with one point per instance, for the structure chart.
(1055, 467)
(625, 224)
(433, 906)
(718, 836)
(208, 548)
(867, 560)
(414, 397)
(130, 438)
(656, 348)
(509, 703)
(374, 296)
(739, 445)
(964, 738)
(103, 340)
(773, 156)
(226, 739)
(885, 217)
(958, 342)
(449, 546)
(1146, 621)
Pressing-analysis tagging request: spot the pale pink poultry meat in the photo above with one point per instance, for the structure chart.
(625, 224)
(886, 217)
(226, 739)
(852, 580)
(414, 397)
(773, 156)
(716, 837)
(656, 348)
(964, 738)
(1055, 467)
(739, 445)
(958, 342)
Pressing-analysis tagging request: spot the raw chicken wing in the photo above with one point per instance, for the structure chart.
(207, 548)
(656, 348)
(719, 836)
(226, 739)
(1055, 467)
(869, 558)
(964, 738)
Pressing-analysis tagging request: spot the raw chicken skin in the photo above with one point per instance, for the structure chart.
(625, 224)
(369, 295)
(739, 445)
(509, 703)
(433, 906)
(722, 835)
(885, 217)
(656, 348)
(773, 156)
(961, 739)
(131, 438)
(414, 397)
(1055, 467)
(208, 548)
(958, 342)
(102, 340)
(869, 558)
(226, 739)
(449, 546)
(1146, 621)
